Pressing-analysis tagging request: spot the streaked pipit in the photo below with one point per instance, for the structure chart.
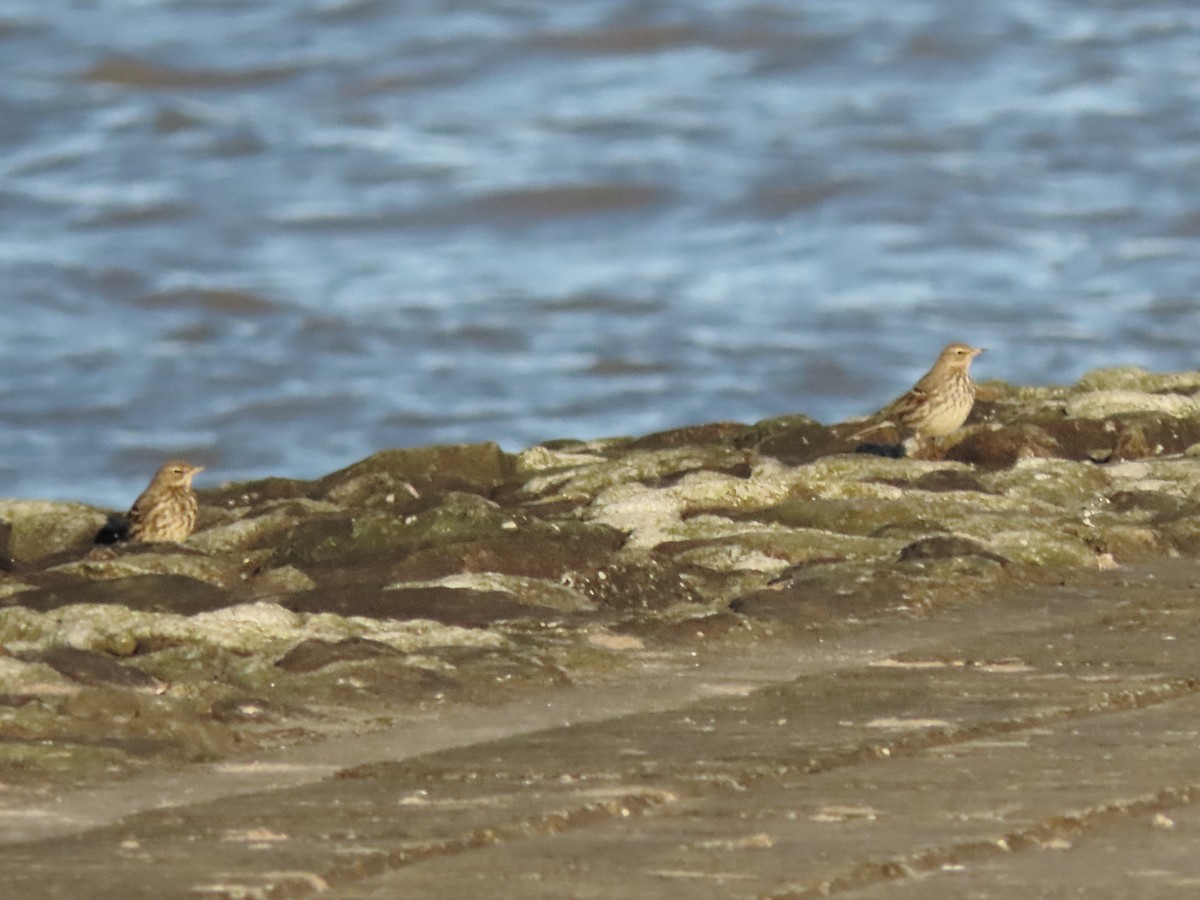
(166, 509)
(939, 403)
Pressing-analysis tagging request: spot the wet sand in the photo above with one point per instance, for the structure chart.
(1040, 744)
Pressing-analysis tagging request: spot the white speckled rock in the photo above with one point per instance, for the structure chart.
(1101, 404)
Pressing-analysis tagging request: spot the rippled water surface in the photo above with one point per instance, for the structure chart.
(276, 236)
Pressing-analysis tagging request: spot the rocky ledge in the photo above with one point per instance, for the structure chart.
(462, 574)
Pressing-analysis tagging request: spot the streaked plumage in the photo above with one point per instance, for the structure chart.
(939, 403)
(166, 509)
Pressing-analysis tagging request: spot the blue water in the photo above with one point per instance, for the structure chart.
(274, 237)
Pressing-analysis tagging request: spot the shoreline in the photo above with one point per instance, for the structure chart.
(447, 584)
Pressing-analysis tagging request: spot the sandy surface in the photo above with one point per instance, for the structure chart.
(1040, 744)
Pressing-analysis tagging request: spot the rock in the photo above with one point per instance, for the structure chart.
(946, 546)
(1105, 404)
(160, 559)
(89, 667)
(352, 539)
(475, 468)
(452, 606)
(38, 529)
(691, 435)
(1137, 379)
(261, 527)
(795, 439)
(536, 551)
(159, 593)
(313, 654)
(1004, 446)
(463, 574)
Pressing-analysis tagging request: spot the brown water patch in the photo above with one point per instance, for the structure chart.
(607, 365)
(519, 206)
(129, 71)
(133, 216)
(600, 303)
(568, 200)
(223, 301)
(628, 40)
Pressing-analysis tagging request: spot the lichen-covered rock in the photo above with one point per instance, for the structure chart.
(350, 538)
(163, 559)
(176, 593)
(476, 468)
(464, 607)
(646, 467)
(1105, 404)
(795, 439)
(40, 528)
(452, 574)
(532, 592)
(256, 527)
(1135, 378)
(545, 550)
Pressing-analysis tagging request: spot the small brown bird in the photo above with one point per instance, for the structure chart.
(166, 509)
(939, 403)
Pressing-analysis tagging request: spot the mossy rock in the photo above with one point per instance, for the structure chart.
(539, 550)
(148, 593)
(350, 539)
(40, 528)
(1135, 378)
(794, 439)
(477, 468)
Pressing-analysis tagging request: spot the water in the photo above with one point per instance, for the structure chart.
(274, 237)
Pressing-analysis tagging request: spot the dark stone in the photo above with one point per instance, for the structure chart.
(146, 593)
(249, 493)
(115, 528)
(682, 631)
(1001, 448)
(88, 667)
(949, 480)
(1131, 444)
(238, 710)
(946, 546)
(690, 436)
(6, 557)
(450, 606)
(851, 592)
(1125, 436)
(793, 439)
(895, 450)
(650, 583)
(481, 671)
(370, 537)
(738, 470)
(1157, 506)
(802, 603)
(478, 468)
(313, 654)
(545, 553)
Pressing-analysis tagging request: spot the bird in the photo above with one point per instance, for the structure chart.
(939, 403)
(164, 511)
